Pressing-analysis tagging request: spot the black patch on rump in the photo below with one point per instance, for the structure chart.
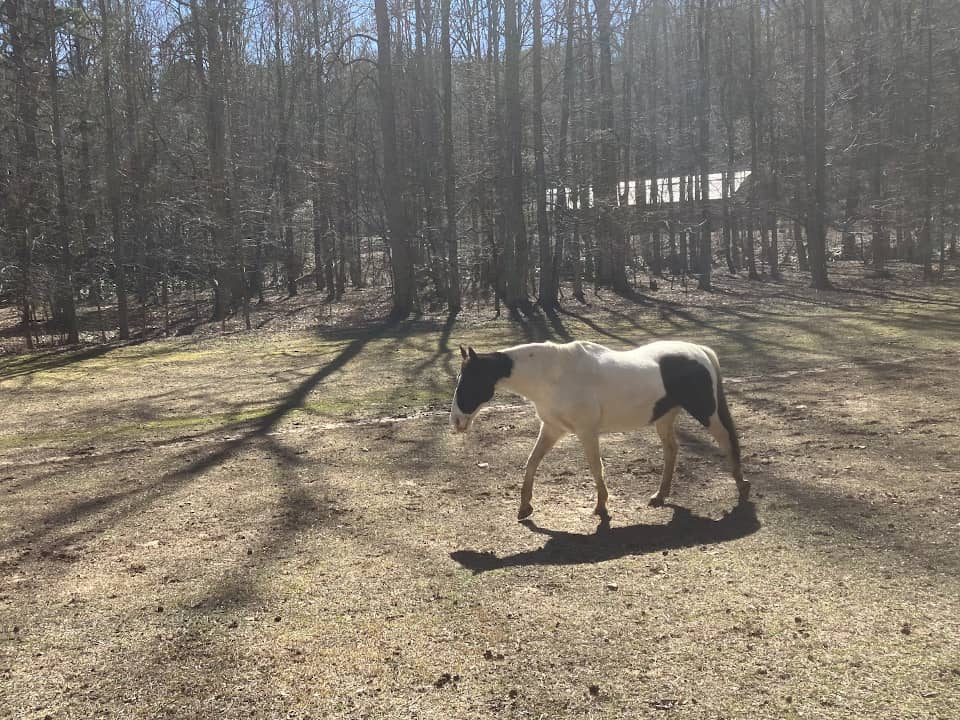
(688, 385)
(479, 375)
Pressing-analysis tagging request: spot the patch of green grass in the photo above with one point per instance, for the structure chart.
(412, 367)
(121, 430)
(376, 401)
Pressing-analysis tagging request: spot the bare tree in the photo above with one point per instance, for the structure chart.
(753, 101)
(878, 236)
(22, 209)
(703, 125)
(926, 203)
(561, 210)
(404, 288)
(65, 304)
(113, 170)
(815, 122)
(449, 165)
(548, 291)
(610, 235)
(515, 235)
(320, 195)
(233, 145)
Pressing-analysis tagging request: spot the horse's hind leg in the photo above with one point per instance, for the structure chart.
(726, 436)
(547, 438)
(591, 447)
(668, 437)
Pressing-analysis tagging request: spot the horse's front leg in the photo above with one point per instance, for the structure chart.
(591, 446)
(547, 438)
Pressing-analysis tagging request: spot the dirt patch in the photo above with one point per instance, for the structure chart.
(336, 563)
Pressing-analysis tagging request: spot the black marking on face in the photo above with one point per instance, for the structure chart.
(479, 375)
(688, 385)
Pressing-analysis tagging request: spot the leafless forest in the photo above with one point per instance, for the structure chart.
(498, 151)
(241, 241)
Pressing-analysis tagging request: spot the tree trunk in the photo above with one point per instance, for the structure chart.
(212, 24)
(817, 240)
(735, 244)
(878, 235)
(427, 139)
(322, 254)
(803, 263)
(773, 229)
(626, 130)
(653, 132)
(926, 228)
(626, 137)
(25, 56)
(749, 248)
(79, 68)
(703, 121)
(515, 242)
(728, 224)
(852, 200)
(291, 268)
(64, 293)
(561, 209)
(729, 121)
(449, 172)
(404, 287)
(113, 174)
(610, 235)
(772, 175)
(753, 101)
(547, 290)
(137, 228)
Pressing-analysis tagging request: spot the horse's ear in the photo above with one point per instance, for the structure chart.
(463, 353)
(472, 353)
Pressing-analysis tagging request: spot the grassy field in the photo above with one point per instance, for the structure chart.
(278, 524)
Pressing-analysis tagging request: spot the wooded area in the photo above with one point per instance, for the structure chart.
(463, 149)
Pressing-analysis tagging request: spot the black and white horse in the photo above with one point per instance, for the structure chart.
(586, 389)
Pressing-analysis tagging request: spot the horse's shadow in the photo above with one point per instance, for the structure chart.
(685, 529)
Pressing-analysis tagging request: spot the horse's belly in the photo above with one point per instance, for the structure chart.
(628, 412)
(625, 422)
(628, 404)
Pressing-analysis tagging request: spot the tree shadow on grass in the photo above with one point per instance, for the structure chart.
(541, 325)
(60, 358)
(132, 497)
(294, 399)
(559, 329)
(443, 348)
(299, 509)
(685, 529)
(597, 328)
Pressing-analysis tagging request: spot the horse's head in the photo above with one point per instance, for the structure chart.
(479, 374)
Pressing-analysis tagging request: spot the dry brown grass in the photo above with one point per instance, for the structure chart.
(192, 528)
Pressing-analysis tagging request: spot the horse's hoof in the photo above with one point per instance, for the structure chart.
(525, 512)
(602, 513)
(744, 489)
(655, 501)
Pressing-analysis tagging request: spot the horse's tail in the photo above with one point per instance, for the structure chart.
(723, 411)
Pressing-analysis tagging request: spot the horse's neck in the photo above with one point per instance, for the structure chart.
(535, 367)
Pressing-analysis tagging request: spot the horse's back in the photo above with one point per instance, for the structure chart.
(588, 358)
(661, 348)
(589, 348)
(629, 383)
